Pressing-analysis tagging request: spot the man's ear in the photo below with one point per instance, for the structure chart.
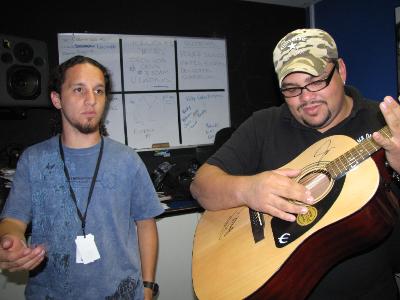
(56, 99)
(342, 70)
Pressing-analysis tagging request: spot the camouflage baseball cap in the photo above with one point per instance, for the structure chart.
(304, 50)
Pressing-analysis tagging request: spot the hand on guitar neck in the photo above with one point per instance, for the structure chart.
(391, 111)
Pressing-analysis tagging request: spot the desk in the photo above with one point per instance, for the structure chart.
(181, 206)
(3, 193)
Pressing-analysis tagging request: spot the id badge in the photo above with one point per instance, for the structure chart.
(86, 249)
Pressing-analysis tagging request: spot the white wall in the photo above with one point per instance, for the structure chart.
(174, 272)
(12, 285)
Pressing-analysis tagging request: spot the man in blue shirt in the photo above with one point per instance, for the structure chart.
(89, 199)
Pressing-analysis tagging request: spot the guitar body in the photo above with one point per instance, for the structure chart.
(351, 214)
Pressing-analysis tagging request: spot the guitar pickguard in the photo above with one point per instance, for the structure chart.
(286, 232)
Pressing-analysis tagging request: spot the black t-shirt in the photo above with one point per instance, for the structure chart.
(270, 139)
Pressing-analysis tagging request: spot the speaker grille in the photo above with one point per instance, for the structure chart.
(23, 82)
(23, 72)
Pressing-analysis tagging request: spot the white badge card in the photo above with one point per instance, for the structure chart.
(86, 249)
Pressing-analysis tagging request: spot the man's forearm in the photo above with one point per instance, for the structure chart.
(148, 247)
(215, 189)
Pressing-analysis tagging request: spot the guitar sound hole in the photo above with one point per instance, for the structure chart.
(318, 182)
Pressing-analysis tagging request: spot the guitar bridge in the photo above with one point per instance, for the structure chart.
(257, 225)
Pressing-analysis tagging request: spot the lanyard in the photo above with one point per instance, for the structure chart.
(82, 217)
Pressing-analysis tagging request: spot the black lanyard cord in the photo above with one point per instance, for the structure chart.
(82, 217)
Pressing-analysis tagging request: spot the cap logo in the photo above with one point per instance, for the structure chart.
(292, 43)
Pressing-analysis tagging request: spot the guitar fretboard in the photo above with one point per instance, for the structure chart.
(353, 157)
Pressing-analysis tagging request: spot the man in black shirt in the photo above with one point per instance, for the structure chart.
(246, 170)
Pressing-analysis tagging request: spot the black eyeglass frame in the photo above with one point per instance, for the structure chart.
(327, 81)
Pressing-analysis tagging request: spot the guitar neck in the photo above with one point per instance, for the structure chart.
(353, 157)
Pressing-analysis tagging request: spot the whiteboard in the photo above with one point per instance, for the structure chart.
(202, 63)
(114, 118)
(165, 90)
(149, 63)
(201, 116)
(151, 119)
(103, 48)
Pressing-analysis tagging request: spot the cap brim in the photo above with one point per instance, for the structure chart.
(299, 67)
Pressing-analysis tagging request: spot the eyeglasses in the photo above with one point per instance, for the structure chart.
(314, 86)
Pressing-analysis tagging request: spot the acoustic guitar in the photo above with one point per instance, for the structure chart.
(240, 253)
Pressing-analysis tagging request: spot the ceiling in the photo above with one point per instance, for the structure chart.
(295, 3)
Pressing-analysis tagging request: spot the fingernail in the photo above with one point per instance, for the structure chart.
(304, 210)
(310, 198)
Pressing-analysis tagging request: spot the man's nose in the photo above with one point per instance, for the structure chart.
(90, 98)
(306, 95)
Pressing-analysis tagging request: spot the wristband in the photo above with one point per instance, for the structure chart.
(151, 285)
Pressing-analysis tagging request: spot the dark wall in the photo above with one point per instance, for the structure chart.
(366, 41)
(251, 31)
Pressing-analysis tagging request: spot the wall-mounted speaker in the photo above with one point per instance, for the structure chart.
(24, 72)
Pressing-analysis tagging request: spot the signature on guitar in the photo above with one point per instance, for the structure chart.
(229, 224)
(324, 149)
